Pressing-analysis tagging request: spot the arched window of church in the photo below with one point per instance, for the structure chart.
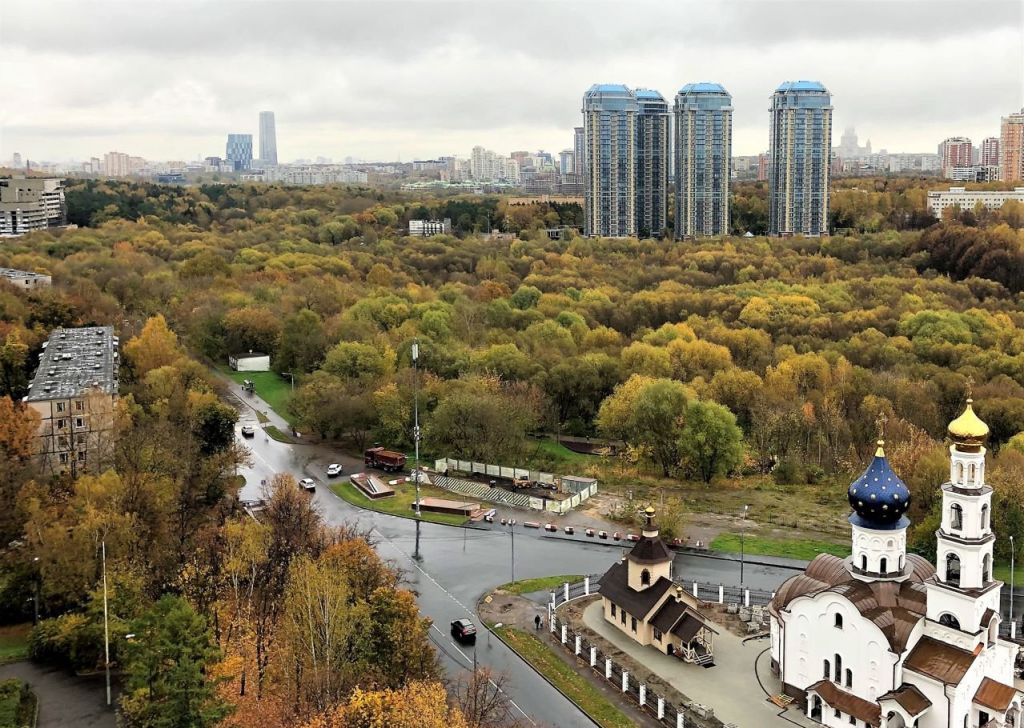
(849, 678)
(902, 562)
(956, 516)
(971, 473)
(839, 621)
(883, 566)
(986, 568)
(864, 562)
(839, 668)
(828, 671)
(948, 620)
(984, 517)
(645, 578)
(953, 569)
(960, 472)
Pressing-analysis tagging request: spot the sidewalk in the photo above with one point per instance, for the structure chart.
(730, 687)
(253, 402)
(64, 700)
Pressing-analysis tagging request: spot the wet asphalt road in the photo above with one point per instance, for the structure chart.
(457, 566)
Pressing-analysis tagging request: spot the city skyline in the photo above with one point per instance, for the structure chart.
(187, 87)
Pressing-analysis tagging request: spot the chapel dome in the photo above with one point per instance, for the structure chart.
(968, 428)
(878, 497)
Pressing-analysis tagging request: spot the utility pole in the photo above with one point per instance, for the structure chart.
(35, 599)
(106, 626)
(743, 533)
(416, 417)
(1012, 565)
(512, 531)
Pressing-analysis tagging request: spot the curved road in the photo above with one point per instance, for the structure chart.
(458, 565)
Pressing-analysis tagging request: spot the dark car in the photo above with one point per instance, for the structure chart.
(464, 631)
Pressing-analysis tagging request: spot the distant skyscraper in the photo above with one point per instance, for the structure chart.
(577, 149)
(566, 162)
(1011, 148)
(652, 162)
(16, 160)
(239, 151)
(116, 164)
(990, 152)
(800, 144)
(609, 190)
(268, 138)
(955, 152)
(703, 148)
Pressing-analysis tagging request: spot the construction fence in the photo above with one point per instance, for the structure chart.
(581, 488)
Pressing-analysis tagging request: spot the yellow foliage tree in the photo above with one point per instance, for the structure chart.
(155, 347)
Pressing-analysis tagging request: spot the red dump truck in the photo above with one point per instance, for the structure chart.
(378, 457)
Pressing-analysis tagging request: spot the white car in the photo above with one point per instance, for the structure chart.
(307, 484)
(333, 470)
(248, 431)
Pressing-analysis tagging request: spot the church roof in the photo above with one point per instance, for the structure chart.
(909, 698)
(848, 703)
(968, 426)
(894, 607)
(994, 694)
(615, 586)
(878, 497)
(649, 550)
(939, 660)
(678, 618)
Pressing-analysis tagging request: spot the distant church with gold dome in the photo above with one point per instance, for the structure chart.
(888, 640)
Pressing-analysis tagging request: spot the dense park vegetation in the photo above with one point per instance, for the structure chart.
(731, 357)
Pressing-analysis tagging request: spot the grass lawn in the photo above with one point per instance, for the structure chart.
(796, 548)
(271, 388)
(275, 433)
(1002, 572)
(400, 504)
(14, 643)
(554, 455)
(565, 678)
(541, 583)
(17, 704)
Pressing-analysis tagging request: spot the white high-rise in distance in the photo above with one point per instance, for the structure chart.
(268, 138)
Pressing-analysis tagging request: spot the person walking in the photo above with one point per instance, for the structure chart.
(536, 622)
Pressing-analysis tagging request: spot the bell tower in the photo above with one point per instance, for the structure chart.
(963, 588)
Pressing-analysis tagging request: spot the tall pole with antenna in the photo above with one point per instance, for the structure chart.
(106, 626)
(416, 417)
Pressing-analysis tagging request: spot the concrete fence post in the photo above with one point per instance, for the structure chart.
(1013, 630)
(680, 721)
(586, 586)
(661, 708)
(625, 681)
(552, 621)
(746, 597)
(643, 695)
(721, 594)
(593, 656)
(607, 668)
(553, 603)
(695, 589)
(565, 636)
(566, 585)
(579, 647)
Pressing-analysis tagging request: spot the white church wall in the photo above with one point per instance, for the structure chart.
(936, 693)
(871, 546)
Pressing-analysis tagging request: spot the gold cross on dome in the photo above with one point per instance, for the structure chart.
(880, 421)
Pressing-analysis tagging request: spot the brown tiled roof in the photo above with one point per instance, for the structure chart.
(848, 703)
(615, 586)
(649, 550)
(938, 660)
(910, 699)
(995, 695)
(894, 607)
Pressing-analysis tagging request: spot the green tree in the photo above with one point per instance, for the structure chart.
(302, 343)
(167, 670)
(649, 415)
(711, 443)
(354, 360)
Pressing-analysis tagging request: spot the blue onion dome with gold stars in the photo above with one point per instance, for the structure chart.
(878, 497)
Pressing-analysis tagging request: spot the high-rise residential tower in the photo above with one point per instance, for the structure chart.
(652, 162)
(703, 148)
(577, 149)
(239, 151)
(609, 168)
(268, 138)
(955, 152)
(989, 152)
(1011, 148)
(800, 144)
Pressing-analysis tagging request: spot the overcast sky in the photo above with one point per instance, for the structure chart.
(381, 79)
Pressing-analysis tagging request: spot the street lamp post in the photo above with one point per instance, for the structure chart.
(1012, 565)
(416, 417)
(35, 599)
(743, 533)
(106, 626)
(290, 376)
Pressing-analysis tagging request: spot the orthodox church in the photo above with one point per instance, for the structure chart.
(884, 638)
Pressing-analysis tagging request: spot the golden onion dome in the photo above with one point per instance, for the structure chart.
(968, 427)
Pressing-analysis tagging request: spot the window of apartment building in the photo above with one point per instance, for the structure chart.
(60, 406)
(81, 456)
(61, 424)
(63, 458)
(79, 422)
(79, 405)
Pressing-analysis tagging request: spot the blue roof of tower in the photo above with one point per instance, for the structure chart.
(878, 497)
(605, 88)
(646, 93)
(703, 87)
(802, 86)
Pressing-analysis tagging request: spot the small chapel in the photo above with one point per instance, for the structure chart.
(886, 639)
(641, 599)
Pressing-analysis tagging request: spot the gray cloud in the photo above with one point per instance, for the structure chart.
(376, 79)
